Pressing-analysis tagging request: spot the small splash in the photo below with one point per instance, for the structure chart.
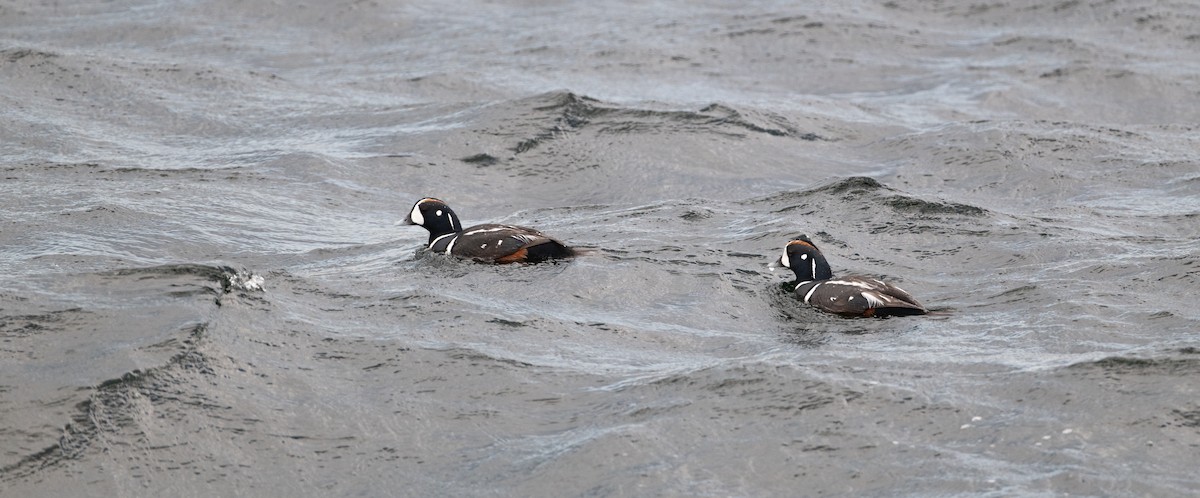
(244, 280)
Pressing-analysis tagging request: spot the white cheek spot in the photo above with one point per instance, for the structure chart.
(851, 298)
(415, 216)
(803, 256)
(833, 298)
(439, 212)
(483, 246)
(499, 242)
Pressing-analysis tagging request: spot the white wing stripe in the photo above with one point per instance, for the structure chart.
(435, 241)
(486, 230)
(873, 300)
(811, 291)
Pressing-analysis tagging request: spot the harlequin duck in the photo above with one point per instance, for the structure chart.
(490, 243)
(853, 295)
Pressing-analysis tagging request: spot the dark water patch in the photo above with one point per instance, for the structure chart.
(217, 173)
(913, 205)
(25, 325)
(855, 187)
(730, 393)
(141, 320)
(109, 408)
(758, 123)
(37, 167)
(409, 296)
(850, 189)
(481, 159)
(859, 200)
(1024, 293)
(17, 54)
(980, 159)
(563, 113)
(476, 358)
(507, 323)
(696, 215)
(1161, 316)
(1130, 365)
(1188, 418)
(775, 401)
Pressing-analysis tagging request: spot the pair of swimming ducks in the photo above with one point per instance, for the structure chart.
(853, 295)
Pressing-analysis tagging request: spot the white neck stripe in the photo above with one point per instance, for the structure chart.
(811, 291)
(435, 241)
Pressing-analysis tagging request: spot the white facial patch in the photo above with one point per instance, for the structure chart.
(803, 256)
(415, 215)
(784, 260)
(439, 212)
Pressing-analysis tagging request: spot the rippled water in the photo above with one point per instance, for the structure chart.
(1029, 171)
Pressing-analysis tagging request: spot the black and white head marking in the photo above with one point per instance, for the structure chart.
(453, 223)
(436, 217)
(429, 212)
(805, 260)
(415, 216)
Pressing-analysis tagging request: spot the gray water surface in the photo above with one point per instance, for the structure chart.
(1029, 171)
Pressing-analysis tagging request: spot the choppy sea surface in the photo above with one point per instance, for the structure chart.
(202, 291)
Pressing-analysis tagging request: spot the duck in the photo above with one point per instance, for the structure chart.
(853, 295)
(487, 243)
